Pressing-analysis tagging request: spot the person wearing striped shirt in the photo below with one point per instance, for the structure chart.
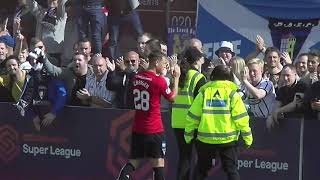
(261, 92)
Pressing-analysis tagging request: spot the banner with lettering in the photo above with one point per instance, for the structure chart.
(178, 37)
(89, 143)
(311, 149)
(181, 25)
(292, 26)
(272, 156)
(82, 144)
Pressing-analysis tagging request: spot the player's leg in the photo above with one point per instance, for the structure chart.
(158, 168)
(128, 168)
(136, 154)
(156, 149)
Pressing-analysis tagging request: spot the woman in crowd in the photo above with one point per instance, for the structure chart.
(238, 66)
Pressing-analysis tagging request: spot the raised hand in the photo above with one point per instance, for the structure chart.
(144, 64)
(176, 71)
(244, 74)
(20, 37)
(120, 63)
(110, 65)
(259, 43)
(16, 25)
(286, 57)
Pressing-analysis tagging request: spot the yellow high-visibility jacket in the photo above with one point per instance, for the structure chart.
(184, 99)
(218, 114)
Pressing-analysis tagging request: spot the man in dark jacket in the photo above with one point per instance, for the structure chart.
(119, 80)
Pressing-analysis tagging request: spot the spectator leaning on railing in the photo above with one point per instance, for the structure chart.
(40, 90)
(95, 93)
(261, 93)
(289, 96)
(14, 79)
(74, 76)
(312, 99)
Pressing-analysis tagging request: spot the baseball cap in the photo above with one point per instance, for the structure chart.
(8, 40)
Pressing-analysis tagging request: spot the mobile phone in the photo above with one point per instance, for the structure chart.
(299, 96)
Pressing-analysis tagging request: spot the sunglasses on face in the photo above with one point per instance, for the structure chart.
(276, 74)
(141, 42)
(132, 61)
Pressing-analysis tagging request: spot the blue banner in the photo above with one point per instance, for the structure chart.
(311, 149)
(290, 31)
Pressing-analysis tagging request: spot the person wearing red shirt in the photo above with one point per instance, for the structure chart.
(147, 139)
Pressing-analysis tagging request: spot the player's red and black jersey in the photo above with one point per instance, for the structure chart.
(147, 89)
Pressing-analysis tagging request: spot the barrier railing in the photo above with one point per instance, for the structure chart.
(89, 143)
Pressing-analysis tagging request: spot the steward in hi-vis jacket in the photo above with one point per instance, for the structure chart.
(189, 84)
(215, 120)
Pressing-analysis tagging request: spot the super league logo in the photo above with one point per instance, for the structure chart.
(9, 144)
(119, 139)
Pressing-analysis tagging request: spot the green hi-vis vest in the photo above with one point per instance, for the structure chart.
(218, 114)
(184, 99)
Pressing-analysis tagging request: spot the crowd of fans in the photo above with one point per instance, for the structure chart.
(53, 56)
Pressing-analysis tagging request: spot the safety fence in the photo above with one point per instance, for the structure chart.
(90, 143)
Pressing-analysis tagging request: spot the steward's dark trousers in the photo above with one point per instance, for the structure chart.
(228, 154)
(185, 155)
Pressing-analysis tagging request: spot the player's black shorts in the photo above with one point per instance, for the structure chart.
(147, 146)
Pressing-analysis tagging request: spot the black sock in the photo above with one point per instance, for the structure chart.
(125, 171)
(158, 173)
